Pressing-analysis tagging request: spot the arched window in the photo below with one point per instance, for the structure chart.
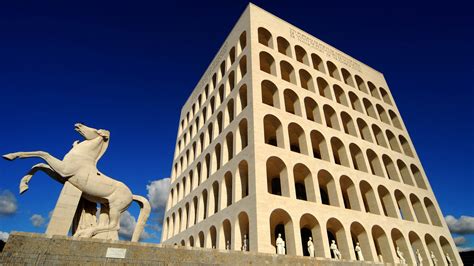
(347, 77)
(317, 63)
(327, 188)
(368, 197)
(373, 90)
(355, 102)
(361, 84)
(287, 72)
(230, 115)
(369, 108)
(284, 46)
(433, 246)
(336, 232)
(309, 227)
(243, 134)
(364, 130)
(242, 70)
(392, 140)
(312, 110)
(403, 206)
(282, 225)
(385, 96)
(242, 229)
(419, 180)
(306, 80)
(333, 71)
(382, 245)
(379, 137)
(265, 37)
(339, 152)
(323, 87)
(277, 177)
(419, 210)
(244, 178)
(273, 131)
(359, 235)
(348, 124)
(320, 150)
(399, 242)
(402, 167)
(349, 193)
(390, 168)
(383, 115)
(433, 214)
(242, 100)
(304, 186)
(297, 139)
(331, 117)
(340, 95)
(292, 103)
(267, 63)
(270, 94)
(374, 163)
(395, 120)
(405, 146)
(357, 158)
(387, 203)
(301, 55)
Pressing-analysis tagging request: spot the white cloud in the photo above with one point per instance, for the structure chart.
(459, 240)
(4, 236)
(463, 226)
(465, 249)
(127, 226)
(8, 204)
(158, 192)
(37, 220)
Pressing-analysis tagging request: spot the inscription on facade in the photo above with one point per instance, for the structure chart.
(330, 52)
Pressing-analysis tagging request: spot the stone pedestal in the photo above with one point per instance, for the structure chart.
(39, 249)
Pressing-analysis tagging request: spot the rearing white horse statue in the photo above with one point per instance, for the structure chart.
(79, 167)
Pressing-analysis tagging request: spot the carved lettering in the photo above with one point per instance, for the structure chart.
(329, 52)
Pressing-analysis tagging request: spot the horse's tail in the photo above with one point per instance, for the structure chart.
(144, 213)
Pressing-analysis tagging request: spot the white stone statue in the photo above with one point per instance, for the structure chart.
(400, 256)
(79, 167)
(245, 244)
(280, 245)
(358, 252)
(448, 259)
(434, 259)
(227, 245)
(335, 250)
(310, 247)
(419, 258)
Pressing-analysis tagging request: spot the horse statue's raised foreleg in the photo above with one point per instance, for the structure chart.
(55, 164)
(39, 167)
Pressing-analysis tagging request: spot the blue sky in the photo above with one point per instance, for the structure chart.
(112, 65)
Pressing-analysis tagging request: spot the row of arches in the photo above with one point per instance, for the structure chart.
(328, 116)
(377, 244)
(301, 183)
(222, 153)
(228, 234)
(315, 61)
(315, 144)
(321, 87)
(232, 108)
(222, 193)
(220, 75)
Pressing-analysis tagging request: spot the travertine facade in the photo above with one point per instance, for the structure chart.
(286, 134)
